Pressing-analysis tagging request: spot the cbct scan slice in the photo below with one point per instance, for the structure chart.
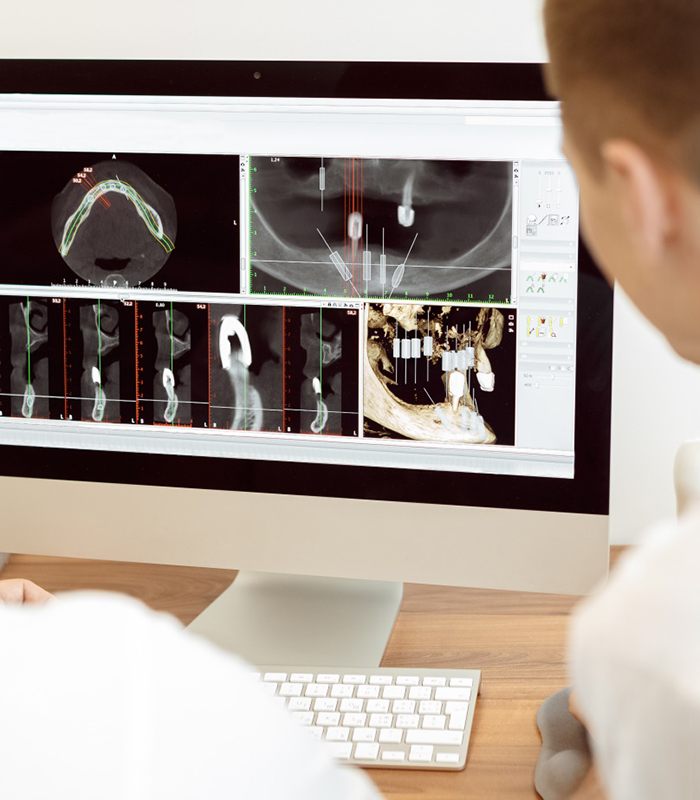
(29, 339)
(284, 369)
(382, 228)
(100, 384)
(431, 373)
(113, 225)
(173, 371)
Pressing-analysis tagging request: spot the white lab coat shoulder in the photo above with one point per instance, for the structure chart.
(104, 698)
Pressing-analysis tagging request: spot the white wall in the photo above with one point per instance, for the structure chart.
(655, 394)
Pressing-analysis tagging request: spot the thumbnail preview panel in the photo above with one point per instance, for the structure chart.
(381, 228)
(134, 220)
(440, 373)
(285, 369)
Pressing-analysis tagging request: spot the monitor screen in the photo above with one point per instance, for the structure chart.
(376, 283)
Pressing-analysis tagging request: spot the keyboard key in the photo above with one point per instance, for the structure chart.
(453, 694)
(456, 707)
(337, 734)
(301, 677)
(429, 707)
(366, 751)
(364, 734)
(355, 679)
(462, 683)
(420, 693)
(447, 758)
(407, 720)
(380, 720)
(279, 677)
(407, 680)
(377, 706)
(420, 752)
(434, 721)
(355, 720)
(316, 690)
(325, 704)
(290, 690)
(342, 690)
(341, 749)
(367, 692)
(399, 692)
(270, 688)
(299, 704)
(327, 677)
(458, 722)
(393, 755)
(316, 731)
(423, 736)
(404, 707)
(390, 735)
(328, 718)
(351, 705)
(380, 680)
(304, 717)
(434, 681)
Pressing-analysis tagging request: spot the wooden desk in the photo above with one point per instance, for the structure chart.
(517, 639)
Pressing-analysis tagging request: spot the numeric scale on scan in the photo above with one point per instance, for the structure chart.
(341, 297)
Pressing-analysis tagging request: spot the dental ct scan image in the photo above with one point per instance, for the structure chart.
(146, 221)
(440, 373)
(381, 228)
(285, 369)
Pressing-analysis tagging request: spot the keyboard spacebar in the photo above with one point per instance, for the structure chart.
(423, 736)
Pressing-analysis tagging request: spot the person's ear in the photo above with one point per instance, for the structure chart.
(641, 189)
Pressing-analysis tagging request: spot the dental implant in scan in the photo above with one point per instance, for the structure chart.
(285, 369)
(386, 229)
(113, 225)
(440, 373)
(29, 356)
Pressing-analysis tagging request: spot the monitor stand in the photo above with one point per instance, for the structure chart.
(306, 621)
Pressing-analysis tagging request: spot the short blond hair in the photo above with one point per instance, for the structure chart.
(628, 68)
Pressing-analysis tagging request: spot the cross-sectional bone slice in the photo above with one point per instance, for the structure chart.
(98, 408)
(169, 386)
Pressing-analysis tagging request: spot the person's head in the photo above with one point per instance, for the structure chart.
(628, 75)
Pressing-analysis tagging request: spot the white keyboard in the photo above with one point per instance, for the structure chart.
(408, 718)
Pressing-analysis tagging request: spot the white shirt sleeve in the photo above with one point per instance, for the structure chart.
(635, 667)
(102, 698)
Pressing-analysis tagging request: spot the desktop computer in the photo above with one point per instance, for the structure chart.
(330, 324)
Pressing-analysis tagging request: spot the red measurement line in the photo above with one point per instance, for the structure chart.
(65, 364)
(105, 202)
(284, 369)
(352, 246)
(136, 348)
(209, 364)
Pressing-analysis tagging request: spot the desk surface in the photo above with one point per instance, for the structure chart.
(516, 639)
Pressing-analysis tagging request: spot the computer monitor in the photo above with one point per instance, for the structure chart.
(304, 319)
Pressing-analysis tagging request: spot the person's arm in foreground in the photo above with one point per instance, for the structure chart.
(19, 590)
(109, 700)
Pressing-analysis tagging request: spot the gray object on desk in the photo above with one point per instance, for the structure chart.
(565, 757)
